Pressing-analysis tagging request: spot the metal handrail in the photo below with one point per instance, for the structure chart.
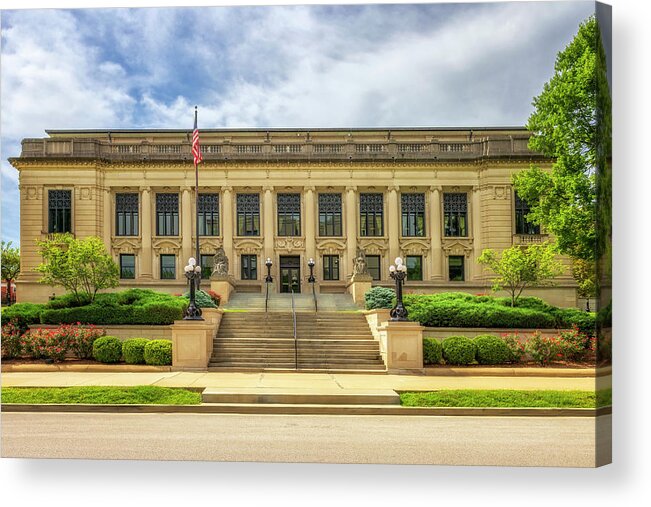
(316, 307)
(266, 297)
(295, 339)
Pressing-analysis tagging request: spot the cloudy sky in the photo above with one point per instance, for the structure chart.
(294, 66)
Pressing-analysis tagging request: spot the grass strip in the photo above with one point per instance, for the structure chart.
(100, 395)
(507, 398)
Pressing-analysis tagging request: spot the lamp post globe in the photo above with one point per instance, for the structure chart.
(192, 273)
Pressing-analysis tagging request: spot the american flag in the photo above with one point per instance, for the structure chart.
(196, 149)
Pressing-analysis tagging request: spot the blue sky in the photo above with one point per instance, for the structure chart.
(293, 66)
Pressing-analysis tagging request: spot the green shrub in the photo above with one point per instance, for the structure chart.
(432, 351)
(82, 339)
(575, 346)
(379, 297)
(45, 344)
(458, 350)
(11, 345)
(158, 352)
(107, 349)
(491, 350)
(23, 314)
(133, 350)
(202, 299)
(515, 346)
(543, 349)
(67, 301)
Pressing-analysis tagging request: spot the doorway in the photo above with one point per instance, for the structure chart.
(290, 273)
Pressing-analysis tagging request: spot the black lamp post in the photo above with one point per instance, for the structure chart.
(192, 273)
(310, 264)
(268, 278)
(398, 273)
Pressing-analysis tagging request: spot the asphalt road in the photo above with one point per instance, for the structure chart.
(506, 441)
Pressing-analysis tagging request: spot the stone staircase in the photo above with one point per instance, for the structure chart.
(328, 340)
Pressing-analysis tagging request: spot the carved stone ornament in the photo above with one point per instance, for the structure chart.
(359, 263)
(457, 247)
(289, 244)
(220, 264)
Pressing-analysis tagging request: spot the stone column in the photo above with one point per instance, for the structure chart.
(108, 219)
(186, 226)
(393, 225)
(351, 228)
(435, 232)
(310, 223)
(268, 227)
(146, 259)
(227, 226)
(475, 270)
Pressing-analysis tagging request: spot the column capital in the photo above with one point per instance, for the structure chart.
(268, 188)
(310, 188)
(436, 188)
(351, 188)
(394, 188)
(145, 189)
(227, 189)
(186, 188)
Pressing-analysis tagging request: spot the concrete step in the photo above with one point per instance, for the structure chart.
(289, 396)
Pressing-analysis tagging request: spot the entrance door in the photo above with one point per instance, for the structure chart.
(290, 273)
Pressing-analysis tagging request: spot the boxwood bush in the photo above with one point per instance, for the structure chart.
(432, 351)
(459, 350)
(158, 352)
(107, 349)
(133, 350)
(23, 314)
(379, 297)
(491, 350)
(202, 299)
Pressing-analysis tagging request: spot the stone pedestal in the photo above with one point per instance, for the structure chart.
(401, 344)
(358, 286)
(192, 344)
(223, 285)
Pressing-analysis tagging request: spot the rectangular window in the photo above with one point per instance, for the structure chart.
(331, 267)
(167, 267)
(413, 214)
(248, 215)
(59, 204)
(330, 215)
(206, 265)
(167, 214)
(370, 214)
(373, 266)
(127, 266)
(455, 214)
(414, 267)
(456, 270)
(208, 214)
(522, 225)
(289, 214)
(126, 214)
(249, 267)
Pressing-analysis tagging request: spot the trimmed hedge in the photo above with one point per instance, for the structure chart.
(202, 299)
(379, 297)
(492, 350)
(23, 314)
(133, 350)
(432, 351)
(158, 352)
(107, 349)
(459, 350)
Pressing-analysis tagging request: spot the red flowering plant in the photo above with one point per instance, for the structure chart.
(574, 344)
(81, 339)
(216, 298)
(543, 349)
(45, 343)
(11, 333)
(516, 347)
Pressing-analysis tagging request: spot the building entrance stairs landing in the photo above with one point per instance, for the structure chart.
(336, 338)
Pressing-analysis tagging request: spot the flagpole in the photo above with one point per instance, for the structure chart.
(196, 204)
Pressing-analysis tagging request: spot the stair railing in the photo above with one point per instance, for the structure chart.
(295, 338)
(266, 297)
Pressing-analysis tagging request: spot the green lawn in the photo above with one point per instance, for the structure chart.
(507, 398)
(137, 395)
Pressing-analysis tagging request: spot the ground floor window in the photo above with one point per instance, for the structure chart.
(456, 270)
(414, 267)
(331, 267)
(249, 267)
(127, 266)
(206, 265)
(168, 267)
(373, 266)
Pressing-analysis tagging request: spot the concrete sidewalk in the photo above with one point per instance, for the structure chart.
(300, 381)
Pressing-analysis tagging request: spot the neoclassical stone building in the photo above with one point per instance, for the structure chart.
(435, 196)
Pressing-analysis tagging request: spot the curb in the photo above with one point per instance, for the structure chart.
(262, 409)
(471, 371)
(87, 368)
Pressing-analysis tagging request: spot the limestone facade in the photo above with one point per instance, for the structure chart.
(437, 197)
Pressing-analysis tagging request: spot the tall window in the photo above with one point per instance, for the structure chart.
(127, 266)
(208, 214)
(59, 203)
(126, 214)
(456, 269)
(522, 225)
(414, 267)
(248, 215)
(373, 266)
(331, 267)
(167, 267)
(455, 214)
(206, 264)
(167, 214)
(249, 269)
(329, 214)
(413, 214)
(289, 214)
(370, 214)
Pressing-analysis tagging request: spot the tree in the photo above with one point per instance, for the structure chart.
(519, 267)
(81, 266)
(571, 124)
(10, 265)
(585, 274)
